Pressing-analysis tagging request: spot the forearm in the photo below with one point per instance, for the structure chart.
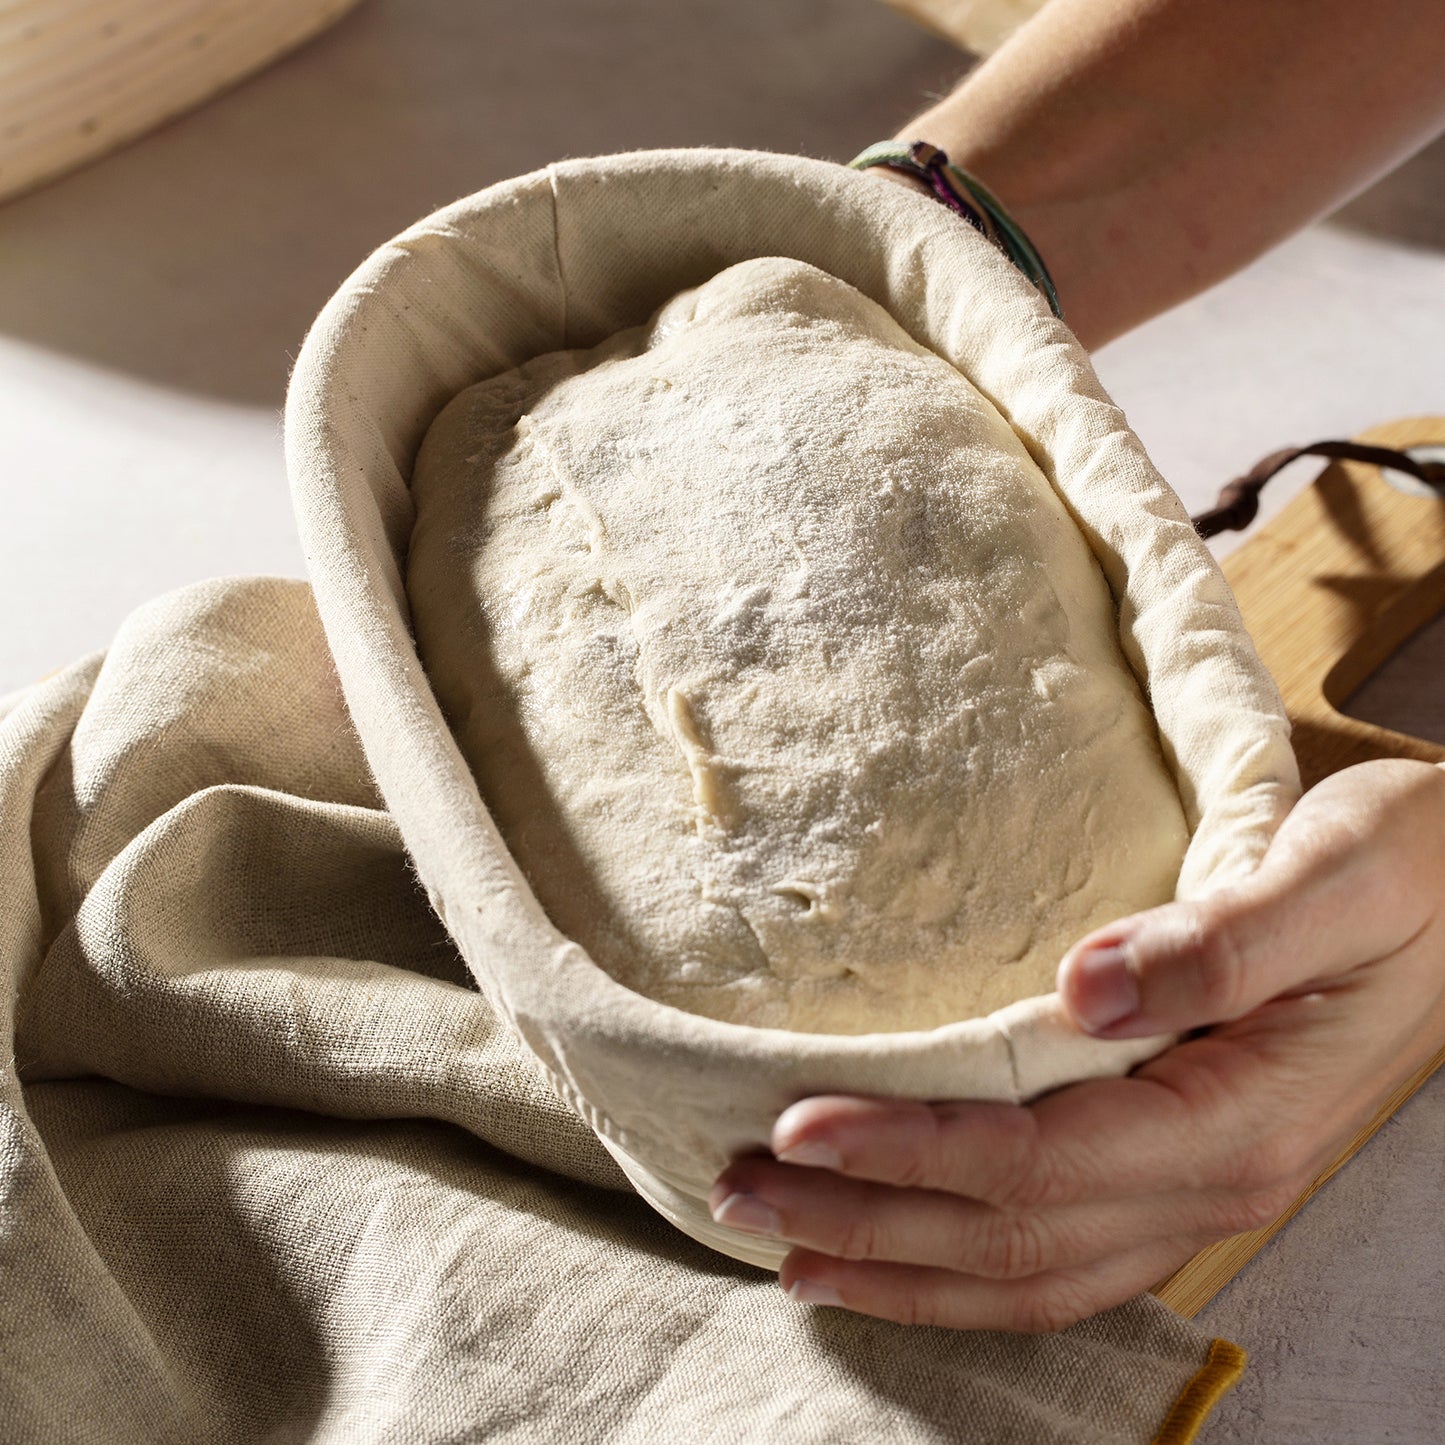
(1152, 147)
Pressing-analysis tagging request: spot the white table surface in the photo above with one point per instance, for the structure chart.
(150, 306)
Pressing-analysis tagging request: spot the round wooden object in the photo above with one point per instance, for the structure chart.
(79, 79)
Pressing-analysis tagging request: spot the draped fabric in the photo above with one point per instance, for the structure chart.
(271, 1169)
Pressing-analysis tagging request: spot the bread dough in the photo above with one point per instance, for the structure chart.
(789, 680)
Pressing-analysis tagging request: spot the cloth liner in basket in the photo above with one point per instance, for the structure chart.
(563, 258)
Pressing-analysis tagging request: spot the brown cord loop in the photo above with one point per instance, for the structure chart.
(1238, 502)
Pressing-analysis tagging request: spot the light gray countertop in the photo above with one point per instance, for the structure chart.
(150, 306)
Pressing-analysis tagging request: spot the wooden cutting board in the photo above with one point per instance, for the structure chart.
(1329, 589)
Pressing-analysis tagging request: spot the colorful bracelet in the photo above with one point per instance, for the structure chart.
(968, 196)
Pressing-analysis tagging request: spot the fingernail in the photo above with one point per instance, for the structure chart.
(812, 1292)
(813, 1153)
(748, 1213)
(1104, 990)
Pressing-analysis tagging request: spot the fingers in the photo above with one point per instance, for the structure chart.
(1106, 1139)
(1243, 1117)
(1060, 1210)
(1341, 886)
(856, 1220)
(914, 1295)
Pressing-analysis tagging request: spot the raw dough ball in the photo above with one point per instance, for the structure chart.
(792, 686)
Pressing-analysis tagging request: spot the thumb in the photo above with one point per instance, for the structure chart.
(1349, 878)
(1181, 966)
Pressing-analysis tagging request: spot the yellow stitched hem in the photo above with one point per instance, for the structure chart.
(1220, 1371)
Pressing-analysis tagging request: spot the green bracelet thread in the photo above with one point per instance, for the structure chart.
(972, 200)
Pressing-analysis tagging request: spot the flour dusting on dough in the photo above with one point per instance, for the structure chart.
(789, 680)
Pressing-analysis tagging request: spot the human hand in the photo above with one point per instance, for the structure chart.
(1323, 976)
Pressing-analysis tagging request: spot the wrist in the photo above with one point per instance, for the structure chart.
(1080, 235)
(901, 178)
(968, 198)
(1150, 148)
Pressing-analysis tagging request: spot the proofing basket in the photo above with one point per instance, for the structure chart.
(562, 258)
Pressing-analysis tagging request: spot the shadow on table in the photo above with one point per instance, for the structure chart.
(197, 257)
(1407, 205)
(1407, 692)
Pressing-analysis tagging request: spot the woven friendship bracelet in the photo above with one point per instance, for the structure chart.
(968, 196)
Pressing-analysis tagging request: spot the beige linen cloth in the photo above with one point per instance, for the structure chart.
(271, 1171)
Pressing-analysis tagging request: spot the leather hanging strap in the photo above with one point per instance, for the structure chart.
(1238, 501)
